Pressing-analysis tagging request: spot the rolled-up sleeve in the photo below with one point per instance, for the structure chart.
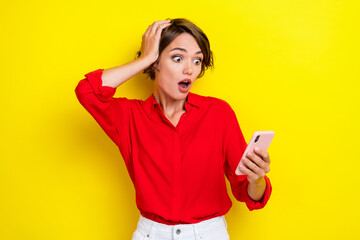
(234, 148)
(112, 114)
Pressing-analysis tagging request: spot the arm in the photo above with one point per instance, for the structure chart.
(116, 76)
(256, 165)
(254, 194)
(256, 189)
(96, 91)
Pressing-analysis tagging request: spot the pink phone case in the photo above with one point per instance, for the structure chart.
(260, 139)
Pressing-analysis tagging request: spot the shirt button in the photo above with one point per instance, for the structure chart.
(178, 231)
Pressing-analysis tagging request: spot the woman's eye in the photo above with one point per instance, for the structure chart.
(176, 58)
(197, 61)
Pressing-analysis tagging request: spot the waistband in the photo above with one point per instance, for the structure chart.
(146, 223)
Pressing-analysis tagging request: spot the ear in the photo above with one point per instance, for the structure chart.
(155, 65)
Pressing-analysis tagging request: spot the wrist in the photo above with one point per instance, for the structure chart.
(146, 60)
(258, 182)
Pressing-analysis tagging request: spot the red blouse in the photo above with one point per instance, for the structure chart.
(177, 171)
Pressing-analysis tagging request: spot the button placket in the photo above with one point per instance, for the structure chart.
(177, 175)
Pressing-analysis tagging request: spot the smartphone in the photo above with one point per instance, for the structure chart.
(260, 139)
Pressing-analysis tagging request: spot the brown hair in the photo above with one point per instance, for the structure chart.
(177, 27)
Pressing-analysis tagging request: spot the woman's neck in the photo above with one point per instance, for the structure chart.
(169, 106)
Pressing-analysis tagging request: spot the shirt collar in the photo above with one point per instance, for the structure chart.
(192, 99)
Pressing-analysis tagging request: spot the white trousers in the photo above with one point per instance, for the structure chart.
(211, 229)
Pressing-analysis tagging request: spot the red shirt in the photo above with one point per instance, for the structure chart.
(178, 171)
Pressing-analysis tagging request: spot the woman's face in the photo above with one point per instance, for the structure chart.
(180, 61)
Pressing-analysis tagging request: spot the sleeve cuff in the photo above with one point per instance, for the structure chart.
(104, 93)
(253, 205)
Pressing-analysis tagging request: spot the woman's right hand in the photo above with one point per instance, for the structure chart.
(151, 40)
(114, 77)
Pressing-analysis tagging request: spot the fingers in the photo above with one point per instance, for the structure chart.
(254, 165)
(152, 29)
(245, 170)
(151, 39)
(257, 160)
(263, 154)
(238, 171)
(159, 25)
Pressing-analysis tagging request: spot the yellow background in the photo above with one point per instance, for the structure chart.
(283, 65)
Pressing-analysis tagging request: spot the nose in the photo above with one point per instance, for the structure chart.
(188, 67)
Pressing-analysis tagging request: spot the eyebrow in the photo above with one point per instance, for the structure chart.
(184, 50)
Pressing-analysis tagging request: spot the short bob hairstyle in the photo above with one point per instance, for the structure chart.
(177, 27)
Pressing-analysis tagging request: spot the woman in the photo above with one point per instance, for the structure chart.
(177, 145)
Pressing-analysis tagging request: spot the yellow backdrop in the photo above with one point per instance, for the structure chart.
(287, 66)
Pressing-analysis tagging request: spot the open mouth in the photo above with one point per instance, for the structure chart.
(184, 84)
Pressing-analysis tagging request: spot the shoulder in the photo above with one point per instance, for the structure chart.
(128, 100)
(215, 103)
(129, 103)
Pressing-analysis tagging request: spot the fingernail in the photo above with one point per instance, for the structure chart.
(256, 149)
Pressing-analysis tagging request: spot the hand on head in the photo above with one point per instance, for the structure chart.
(151, 39)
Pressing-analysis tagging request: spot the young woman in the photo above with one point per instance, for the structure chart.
(178, 146)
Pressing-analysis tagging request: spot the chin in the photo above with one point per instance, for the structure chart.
(182, 96)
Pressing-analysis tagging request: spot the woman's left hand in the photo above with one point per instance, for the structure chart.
(255, 165)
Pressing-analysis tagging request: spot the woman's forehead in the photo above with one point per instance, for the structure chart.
(185, 42)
